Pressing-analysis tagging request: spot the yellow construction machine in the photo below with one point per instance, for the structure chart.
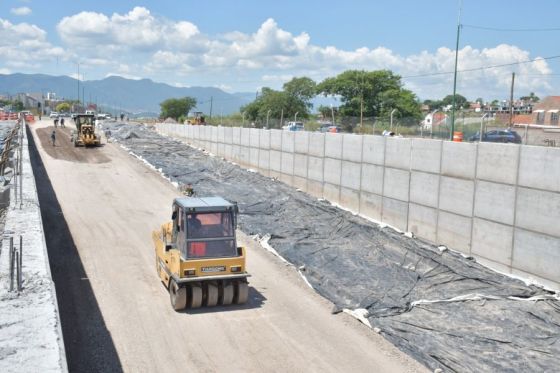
(197, 257)
(85, 131)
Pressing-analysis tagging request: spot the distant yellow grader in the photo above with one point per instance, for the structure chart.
(85, 131)
(197, 257)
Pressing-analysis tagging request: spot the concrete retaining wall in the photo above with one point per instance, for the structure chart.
(30, 332)
(497, 202)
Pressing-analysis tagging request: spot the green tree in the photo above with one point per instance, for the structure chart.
(294, 98)
(175, 107)
(460, 101)
(531, 98)
(303, 89)
(376, 93)
(63, 107)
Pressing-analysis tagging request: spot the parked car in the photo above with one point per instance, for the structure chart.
(53, 114)
(508, 136)
(334, 129)
(293, 126)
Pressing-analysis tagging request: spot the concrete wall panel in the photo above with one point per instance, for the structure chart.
(332, 171)
(236, 136)
(300, 183)
(315, 168)
(228, 135)
(300, 165)
(396, 184)
(352, 147)
(395, 213)
(288, 145)
(254, 157)
(315, 188)
(540, 168)
(426, 155)
(350, 199)
(374, 150)
(424, 188)
(301, 141)
(458, 159)
(228, 152)
(397, 153)
(287, 163)
(456, 195)
(372, 178)
(454, 231)
(264, 159)
(246, 137)
(371, 205)
(276, 139)
(317, 144)
(492, 241)
(495, 202)
(351, 175)
(537, 254)
(221, 135)
(214, 134)
(264, 139)
(422, 221)
(275, 161)
(254, 137)
(333, 145)
(538, 211)
(331, 192)
(497, 162)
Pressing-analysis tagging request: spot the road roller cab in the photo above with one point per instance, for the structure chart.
(197, 256)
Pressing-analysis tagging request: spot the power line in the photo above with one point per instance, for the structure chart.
(481, 67)
(512, 29)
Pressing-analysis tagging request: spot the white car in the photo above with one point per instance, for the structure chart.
(53, 114)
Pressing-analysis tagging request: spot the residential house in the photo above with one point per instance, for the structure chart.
(546, 112)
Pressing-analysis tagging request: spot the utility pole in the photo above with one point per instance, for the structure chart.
(511, 100)
(78, 84)
(455, 71)
(211, 102)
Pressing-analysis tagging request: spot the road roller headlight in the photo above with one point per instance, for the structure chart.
(189, 272)
(235, 269)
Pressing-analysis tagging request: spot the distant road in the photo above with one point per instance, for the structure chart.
(116, 314)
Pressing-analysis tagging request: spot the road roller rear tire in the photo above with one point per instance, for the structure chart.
(241, 292)
(211, 294)
(177, 296)
(196, 296)
(227, 294)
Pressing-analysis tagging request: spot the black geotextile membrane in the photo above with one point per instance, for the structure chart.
(445, 310)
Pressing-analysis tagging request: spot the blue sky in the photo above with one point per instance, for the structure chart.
(245, 45)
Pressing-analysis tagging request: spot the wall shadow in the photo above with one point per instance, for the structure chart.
(88, 343)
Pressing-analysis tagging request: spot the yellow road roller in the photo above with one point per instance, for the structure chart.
(197, 257)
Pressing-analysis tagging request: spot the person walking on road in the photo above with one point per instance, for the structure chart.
(62, 122)
(55, 122)
(53, 137)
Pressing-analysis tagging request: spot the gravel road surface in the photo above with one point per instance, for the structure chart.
(99, 208)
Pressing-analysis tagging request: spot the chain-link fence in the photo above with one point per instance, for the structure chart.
(432, 125)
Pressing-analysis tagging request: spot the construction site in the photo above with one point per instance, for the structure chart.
(201, 248)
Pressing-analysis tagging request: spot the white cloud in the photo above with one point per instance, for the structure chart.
(21, 11)
(142, 44)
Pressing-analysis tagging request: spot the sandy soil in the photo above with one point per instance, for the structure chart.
(104, 262)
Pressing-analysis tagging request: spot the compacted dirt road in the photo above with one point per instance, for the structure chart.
(99, 208)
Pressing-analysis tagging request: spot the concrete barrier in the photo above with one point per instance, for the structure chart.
(31, 335)
(496, 202)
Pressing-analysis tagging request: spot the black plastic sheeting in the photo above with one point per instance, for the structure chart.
(443, 309)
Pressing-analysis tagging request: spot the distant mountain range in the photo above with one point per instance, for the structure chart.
(135, 96)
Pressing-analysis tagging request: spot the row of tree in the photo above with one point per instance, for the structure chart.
(362, 93)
